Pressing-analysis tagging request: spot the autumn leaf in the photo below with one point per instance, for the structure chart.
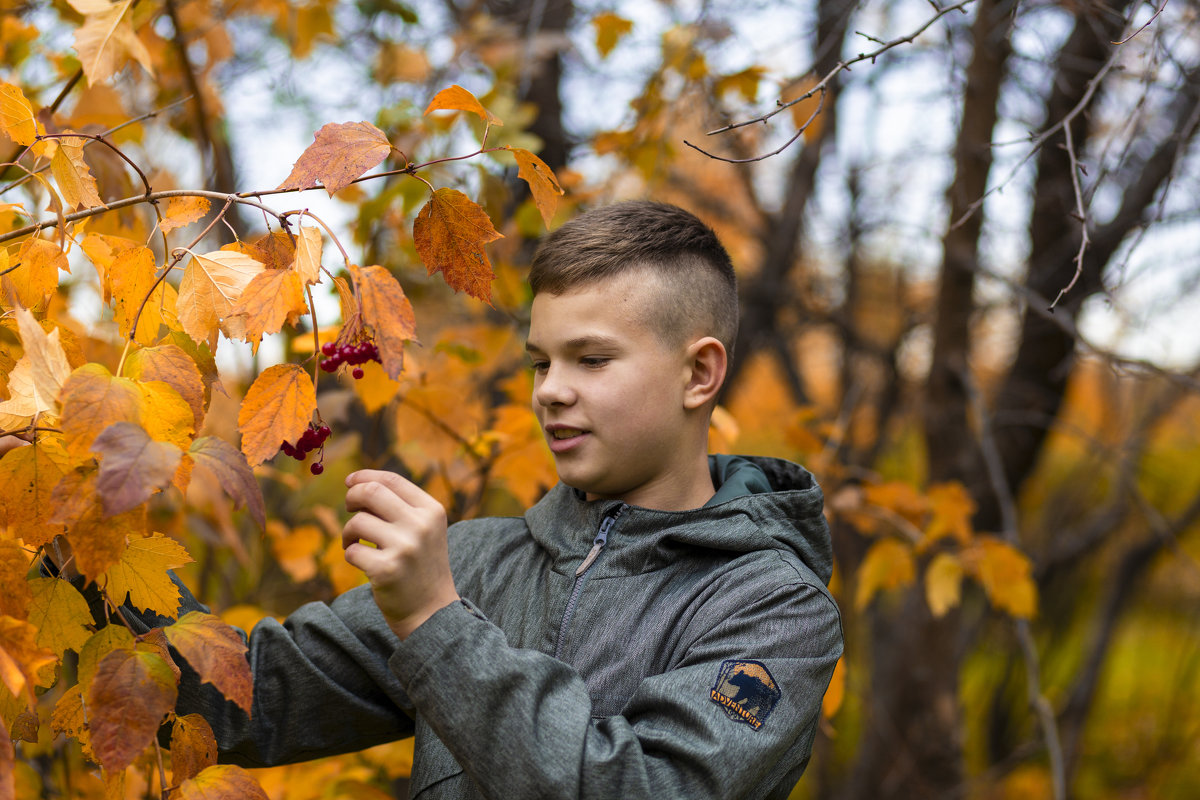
(889, 564)
(232, 472)
(60, 614)
(271, 299)
(183, 211)
(456, 98)
(308, 254)
(836, 693)
(744, 83)
(217, 653)
(542, 183)
(106, 39)
(221, 782)
(69, 717)
(803, 112)
(101, 643)
(339, 154)
(193, 747)
(296, 550)
(76, 184)
(1005, 574)
(952, 509)
(171, 365)
(274, 250)
(900, 497)
(28, 476)
(164, 414)
(449, 234)
(14, 563)
(17, 119)
(131, 275)
(103, 251)
(610, 28)
(943, 583)
(142, 574)
(386, 309)
(38, 377)
(132, 466)
(211, 284)
(92, 399)
(277, 408)
(523, 462)
(36, 274)
(130, 694)
(20, 657)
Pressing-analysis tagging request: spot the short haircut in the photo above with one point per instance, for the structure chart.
(697, 288)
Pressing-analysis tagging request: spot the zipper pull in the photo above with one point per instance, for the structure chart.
(600, 541)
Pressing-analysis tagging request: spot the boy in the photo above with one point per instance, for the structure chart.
(656, 626)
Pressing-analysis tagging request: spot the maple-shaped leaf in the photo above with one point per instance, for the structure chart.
(217, 653)
(106, 39)
(193, 747)
(142, 574)
(76, 185)
(183, 211)
(221, 782)
(92, 399)
(21, 658)
(275, 250)
(132, 466)
(211, 284)
(129, 696)
(98, 541)
(449, 234)
(14, 563)
(456, 98)
(889, 564)
(35, 271)
(277, 408)
(542, 183)
(171, 365)
(233, 473)
(60, 614)
(943, 583)
(17, 119)
(610, 28)
(69, 717)
(387, 311)
(28, 476)
(273, 298)
(340, 154)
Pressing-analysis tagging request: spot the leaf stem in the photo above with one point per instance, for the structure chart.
(128, 344)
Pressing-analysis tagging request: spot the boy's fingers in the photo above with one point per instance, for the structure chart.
(377, 499)
(403, 488)
(11, 442)
(367, 527)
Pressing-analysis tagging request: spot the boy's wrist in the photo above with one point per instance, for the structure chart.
(404, 626)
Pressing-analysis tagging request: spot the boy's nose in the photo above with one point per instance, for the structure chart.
(552, 390)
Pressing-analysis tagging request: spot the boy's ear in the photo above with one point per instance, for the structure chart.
(707, 360)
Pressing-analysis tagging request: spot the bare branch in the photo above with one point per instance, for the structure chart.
(1149, 22)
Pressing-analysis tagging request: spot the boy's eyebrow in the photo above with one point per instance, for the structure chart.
(580, 343)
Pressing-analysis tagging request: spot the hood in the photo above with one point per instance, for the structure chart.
(760, 504)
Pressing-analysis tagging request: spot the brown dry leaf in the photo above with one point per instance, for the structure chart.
(92, 399)
(456, 98)
(229, 466)
(275, 250)
(106, 39)
(943, 583)
(171, 365)
(14, 564)
(339, 154)
(130, 694)
(142, 574)
(889, 564)
(132, 466)
(449, 234)
(610, 28)
(17, 119)
(543, 185)
(76, 184)
(273, 298)
(28, 476)
(277, 408)
(183, 211)
(222, 782)
(217, 653)
(387, 311)
(60, 614)
(211, 284)
(193, 747)
(21, 658)
(308, 254)
(36, 275)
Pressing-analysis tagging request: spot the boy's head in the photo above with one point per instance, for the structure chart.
(688, 272)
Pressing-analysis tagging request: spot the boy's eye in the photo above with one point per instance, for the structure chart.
(539, 366)
(593, 361)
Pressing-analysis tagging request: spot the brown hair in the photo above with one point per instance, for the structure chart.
(697, 288)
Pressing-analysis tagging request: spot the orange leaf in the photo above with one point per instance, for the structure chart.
(952, 509)
(1006, 576)
(542, 183)
(449, 234)
(308, 254)
(273, 297)
(836, 692)
(17, 119)
(103, 251)
(106, 39)
(132, 466)
(14, 564)
(900, 497)
(131, 276)
(456, 98)
(943, 583)
(37, 379)
(211, 284)
(130, 694)
(888, 564)
(142, 574)
(68, 717)
(523, 463)
(277, 408)
(103, 642)
(610, 29)
(98, 541)
(92, 399)
(221, 782)
(21, 658)
(339, 154)
(171, 365)
(275, 250)
(231, 470)
(193, 747)
(296, 549)
(36, 274)
(217, 653)
(75, 181)
(60, 614)
(387, 311)
(183, 211)
(28, 476)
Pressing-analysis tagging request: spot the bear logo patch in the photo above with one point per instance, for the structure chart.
(746, 692)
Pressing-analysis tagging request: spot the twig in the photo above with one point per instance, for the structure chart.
(1081, 215)
(99, 138)
(1149, 22)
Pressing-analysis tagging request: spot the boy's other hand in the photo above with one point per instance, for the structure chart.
(10, 442)
(409, 565)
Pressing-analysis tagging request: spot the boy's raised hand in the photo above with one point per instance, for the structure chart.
(409, 566)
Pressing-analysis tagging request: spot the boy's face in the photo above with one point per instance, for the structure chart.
(608, 392)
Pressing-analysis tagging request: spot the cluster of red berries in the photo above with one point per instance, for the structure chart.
(312, 438)
(336, 355)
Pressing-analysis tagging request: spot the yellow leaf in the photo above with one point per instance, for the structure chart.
(744, 83)
(38, 377)
(211, 284)
(142, 574)
(36, 274)
(296, 549)
(277, 408)
(131, 275)
(14, 564)
(103, 251)
(1006, 576)
(17, 119)
(388, 313)
(900, 497)
(28, 476)
(222, 782)
(952, 509)
(836, 692)
(803, 112)
(449, 234)
(60, 614)
(375, 389)
(183, 211)
(542, 183)
(339, 155)
(889, 564)
(106, 39)
(164, 414)
(274, 297)
(100, 644)
(92, 399)
(523, 462)
(193, 747)
(943, 583)
(20, 657)
(171, 365)
(456, 98)
(308, 254)
(76, 184)
(610, 29)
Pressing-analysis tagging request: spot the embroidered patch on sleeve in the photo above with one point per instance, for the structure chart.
(746, 692)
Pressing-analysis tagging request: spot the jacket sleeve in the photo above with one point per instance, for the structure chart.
(526, 728)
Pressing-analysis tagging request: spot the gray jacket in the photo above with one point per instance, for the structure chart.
(601, 650)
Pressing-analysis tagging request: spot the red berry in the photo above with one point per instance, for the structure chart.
(329, 365)
(323, 432)
(328, 348)
(358, 373)
(317, 468)
(287, 449)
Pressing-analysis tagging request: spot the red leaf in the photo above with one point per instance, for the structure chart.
(217, 653)
(449, 235)
(132, 691)
(339, 154)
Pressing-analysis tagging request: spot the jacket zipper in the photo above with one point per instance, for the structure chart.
(598, 544)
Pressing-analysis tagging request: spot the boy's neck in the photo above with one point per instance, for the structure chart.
(677, 492)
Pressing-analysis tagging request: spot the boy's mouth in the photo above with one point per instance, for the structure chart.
(565, 433)
(564, 439)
